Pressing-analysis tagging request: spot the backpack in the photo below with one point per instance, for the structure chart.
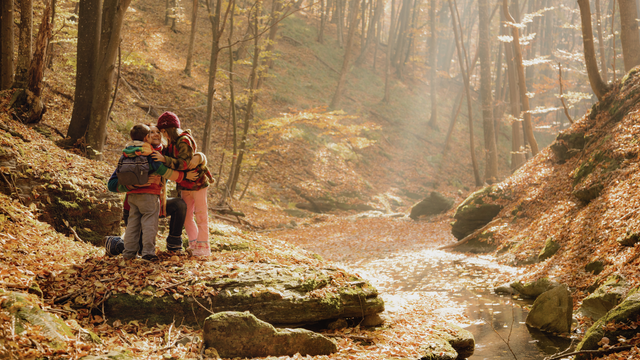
(114, 245)
(133, 170)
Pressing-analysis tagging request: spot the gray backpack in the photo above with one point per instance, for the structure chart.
(133, 170)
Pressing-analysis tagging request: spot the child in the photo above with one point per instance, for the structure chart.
(179, 153)
(144, 200)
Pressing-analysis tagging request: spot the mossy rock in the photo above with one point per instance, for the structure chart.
(550, 248)
(535, 288)
(477, 211)
(598, 159)
(627, 311)
(568, 145)
(594, 267)
(460, 339)
(280, 296)
(629, 239)
(605, 298)
(435, 204)
(437, 348)
(588, 193)
(26, 311)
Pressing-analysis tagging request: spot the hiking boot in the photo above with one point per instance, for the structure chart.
(151, 258)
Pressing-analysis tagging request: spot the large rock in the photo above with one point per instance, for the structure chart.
(240, 334)
(435, 204)
(552, 311)
(605, 298)
(567, 145)
(460, 339)
(275, 294)
(477, 211)
(551, 247)
(626, 311)
(25, 311)
(535, 288)
(65, 200)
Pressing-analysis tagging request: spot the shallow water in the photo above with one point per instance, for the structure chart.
(497, 322)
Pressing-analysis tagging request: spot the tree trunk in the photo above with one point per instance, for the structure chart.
(232, 107)
(89, 29)
(517, 141)
(598, 86)
(36, 69)
(24, 45)
(192, 37)
(248, 117)
(463, 72)
(6, 45)
(484, 44)
(337, 96)
(216, 32)
(371, 31)
(629, 37)
(340, 13)
(387, 71)
(433, 78)
(112, 18)
(528, 127)
(603, 59)
(323, 20)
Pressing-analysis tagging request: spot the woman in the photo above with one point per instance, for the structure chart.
(179, 153)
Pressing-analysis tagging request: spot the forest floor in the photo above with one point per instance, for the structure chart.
(382, 155)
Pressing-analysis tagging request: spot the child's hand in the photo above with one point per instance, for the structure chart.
(157, 156)
(195, 161)
(153, 179)
(192, 175)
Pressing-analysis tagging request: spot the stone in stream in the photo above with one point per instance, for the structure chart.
(240, 334)
(552, 310)
(477, 211)
(448, 342)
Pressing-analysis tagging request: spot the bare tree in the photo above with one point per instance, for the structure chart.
(629, 36)
(598, 86)
(24, 43)
(603, 58)
(484, 48)
(462, 60)
(89, 25)
(433, 50)
(517, 141)
(515, 33)
(337, 96)
(192, 37)
(113, 12)
(6, 44)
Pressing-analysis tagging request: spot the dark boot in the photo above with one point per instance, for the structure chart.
(174, 243)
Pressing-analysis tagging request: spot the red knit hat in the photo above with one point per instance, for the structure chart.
(168, 120)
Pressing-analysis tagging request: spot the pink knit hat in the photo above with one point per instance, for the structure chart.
(168, 120)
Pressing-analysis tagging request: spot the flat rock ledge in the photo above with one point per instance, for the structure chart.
(237, 334)
(279, 295)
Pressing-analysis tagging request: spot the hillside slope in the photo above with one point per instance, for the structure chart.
(582, 192)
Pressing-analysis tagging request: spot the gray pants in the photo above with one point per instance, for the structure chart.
(143, 216)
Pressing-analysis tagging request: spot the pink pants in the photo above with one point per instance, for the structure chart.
(198, 234)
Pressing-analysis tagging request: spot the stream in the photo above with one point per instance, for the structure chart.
(495, 319)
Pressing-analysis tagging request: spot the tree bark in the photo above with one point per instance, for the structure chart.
(323, 20)
(433, 78)
(462, 60)
(387, 71)
(484, 44)
(340, 14)
(371, 31)
(337, 96)
(24, 45)
(629, 37)
(597, 85)
(89, 29)
(112, 18)
(192, 37)
(6, 45)
(517, 141)
(603, 59)
(528, 127)
(36, 69)
(216, 33)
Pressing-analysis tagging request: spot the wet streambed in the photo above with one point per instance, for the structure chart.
(495, 320)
